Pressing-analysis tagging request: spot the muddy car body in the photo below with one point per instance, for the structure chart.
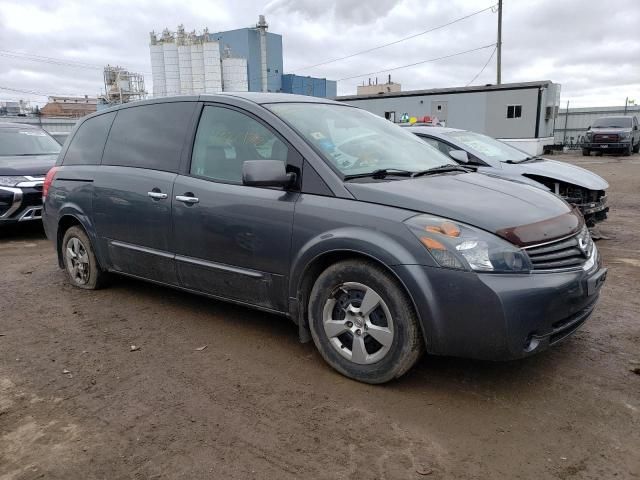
(375, 244)
(578, 186)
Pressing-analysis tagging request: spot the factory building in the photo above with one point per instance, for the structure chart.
(245, 59)
(523, 114)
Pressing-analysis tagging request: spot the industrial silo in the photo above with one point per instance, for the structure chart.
(184, 61)
(171, 68)
(157, 67)
(234, 75)
(197, 68)
(212, 73)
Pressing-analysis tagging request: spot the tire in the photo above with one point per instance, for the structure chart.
(337, 296)
(628, 150)
(586, 152)
(79, 260)
(636, 149)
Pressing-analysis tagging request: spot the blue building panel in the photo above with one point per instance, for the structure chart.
(316, 87)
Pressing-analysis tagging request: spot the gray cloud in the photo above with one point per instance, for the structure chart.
(593, 56)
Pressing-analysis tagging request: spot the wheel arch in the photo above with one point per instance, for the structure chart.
(69, 218)
(325, 251)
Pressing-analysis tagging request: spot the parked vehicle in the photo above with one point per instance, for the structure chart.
(576, 185)
(612, 134)
(27, 153)
(373, 242)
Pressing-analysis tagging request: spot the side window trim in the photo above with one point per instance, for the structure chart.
(294, 158)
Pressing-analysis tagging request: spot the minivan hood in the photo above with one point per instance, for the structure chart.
(32, 165)
(489, 203)
(561, 171)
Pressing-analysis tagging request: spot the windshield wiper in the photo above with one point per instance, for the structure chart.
(524, 160)
(441, 169)
(381, 173)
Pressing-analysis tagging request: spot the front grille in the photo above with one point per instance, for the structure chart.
(605, 138)
(565, 253)
(32, 198)
(579, 195)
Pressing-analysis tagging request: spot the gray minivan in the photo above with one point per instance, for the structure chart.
(374, 243)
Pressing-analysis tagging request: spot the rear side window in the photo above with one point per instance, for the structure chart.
(149, 136)
(88, 143)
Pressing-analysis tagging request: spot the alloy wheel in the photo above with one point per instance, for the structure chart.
(358, 323)
(77, 261)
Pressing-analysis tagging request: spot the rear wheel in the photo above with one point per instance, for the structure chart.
(363, 323)
(80, 261)
(586, 152)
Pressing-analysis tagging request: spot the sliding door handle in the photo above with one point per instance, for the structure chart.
(157, 195)
(186, 199)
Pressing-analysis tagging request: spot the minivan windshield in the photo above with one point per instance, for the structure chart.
(612, 122)
(26, 141)
(487, 148)
(357, 142)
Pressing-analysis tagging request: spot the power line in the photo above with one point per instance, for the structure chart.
(418, 63)
(397, 41)
(40, 94)
(51, 60)
(482, 69)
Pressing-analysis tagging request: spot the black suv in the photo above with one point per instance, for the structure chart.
(375, 244)
(26, 154)
(612, 133)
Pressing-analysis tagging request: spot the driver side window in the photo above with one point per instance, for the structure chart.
(226, 138)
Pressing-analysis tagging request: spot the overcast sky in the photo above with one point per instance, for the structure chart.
(595, 56)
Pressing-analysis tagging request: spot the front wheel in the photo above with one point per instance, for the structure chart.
(628, 149)
(636, 149)
(586, 152)
(80, 261)
(363, 323)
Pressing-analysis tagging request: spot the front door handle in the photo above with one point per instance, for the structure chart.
(157, 195)
(187, 199)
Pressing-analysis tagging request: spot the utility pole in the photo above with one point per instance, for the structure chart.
(626, 102)
(566, 120)
(499, 45)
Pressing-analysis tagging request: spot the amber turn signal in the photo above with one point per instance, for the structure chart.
(445, 228)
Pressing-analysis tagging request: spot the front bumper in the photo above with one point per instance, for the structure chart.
(20, 204)
(500, 316)
(594, 212)
(606, 146)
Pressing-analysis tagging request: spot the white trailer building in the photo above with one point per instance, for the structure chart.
(523, 114)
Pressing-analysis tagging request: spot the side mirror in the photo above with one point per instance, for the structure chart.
(635, 127)
(459, 156)
(266, 173)
(588, 128)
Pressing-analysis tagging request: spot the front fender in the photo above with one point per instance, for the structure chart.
(361, 241)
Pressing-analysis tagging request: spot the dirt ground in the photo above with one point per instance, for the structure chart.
(255, 403)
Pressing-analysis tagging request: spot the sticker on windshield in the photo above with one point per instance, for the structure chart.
(33, 134)
(317, 135)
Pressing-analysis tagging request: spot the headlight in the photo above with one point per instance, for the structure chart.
(625, 135)
(11, 181)
(462, 247)
(588, 134)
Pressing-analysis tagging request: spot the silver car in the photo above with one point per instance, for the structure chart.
(579, 187)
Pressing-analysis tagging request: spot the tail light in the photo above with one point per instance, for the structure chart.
(48, 180)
